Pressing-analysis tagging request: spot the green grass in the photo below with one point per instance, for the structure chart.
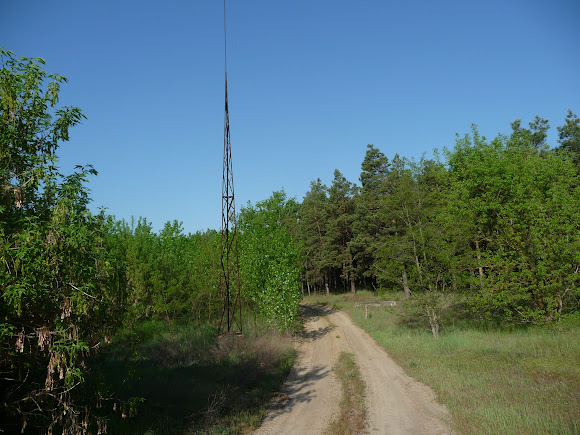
(180, 378)
(494, 381)
(352, 414)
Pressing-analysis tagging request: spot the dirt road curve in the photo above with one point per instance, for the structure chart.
(396, 404)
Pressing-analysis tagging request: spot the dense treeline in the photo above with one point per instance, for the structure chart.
(495, 222)
(493, 225)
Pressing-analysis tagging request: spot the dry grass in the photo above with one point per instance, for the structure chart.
(352, 417)
(261, 352)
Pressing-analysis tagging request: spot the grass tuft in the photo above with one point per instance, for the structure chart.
(352, 416)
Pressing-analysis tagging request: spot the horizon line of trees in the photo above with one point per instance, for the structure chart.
(497, 222)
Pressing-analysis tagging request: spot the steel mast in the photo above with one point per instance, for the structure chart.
(230, 316)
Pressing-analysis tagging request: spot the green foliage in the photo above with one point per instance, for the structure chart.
(270, 258)
(168, 275)
(31, 129)
(532, 138)
(340, 215)
(368, 222)
(569, 137)
(312, 232)
(53, 268)
(326, 230)
(423, 239)
(495, 222)
(521, 207)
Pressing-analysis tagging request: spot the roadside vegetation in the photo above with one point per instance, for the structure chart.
(492, 379)
(352, 412)
(179, 378)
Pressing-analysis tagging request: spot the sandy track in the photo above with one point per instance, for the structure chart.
(396, 403)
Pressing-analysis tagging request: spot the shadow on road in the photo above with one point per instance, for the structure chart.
(297, 390)
(316, 334)
(311, 314)
(299, 384)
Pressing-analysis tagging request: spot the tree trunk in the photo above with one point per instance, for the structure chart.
(326, 285)
(561, 303)
(352, 287)
(479, 264)
(417, 263)
(406, 288)
(433, 321)
(308, 285)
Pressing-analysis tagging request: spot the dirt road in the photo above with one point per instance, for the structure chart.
(396, 404)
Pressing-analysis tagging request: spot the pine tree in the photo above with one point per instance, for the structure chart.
(569, 137)
(313, 227)
(340, 218)
(368, 222)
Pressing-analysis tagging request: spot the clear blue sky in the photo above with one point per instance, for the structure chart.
(311, 83)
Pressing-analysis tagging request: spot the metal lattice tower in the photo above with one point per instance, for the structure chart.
(230, 294)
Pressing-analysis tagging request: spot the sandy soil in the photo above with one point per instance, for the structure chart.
(396, 403)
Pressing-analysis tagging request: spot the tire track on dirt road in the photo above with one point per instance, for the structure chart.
(308, 401)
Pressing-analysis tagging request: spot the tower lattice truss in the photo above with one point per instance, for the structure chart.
(230, 316)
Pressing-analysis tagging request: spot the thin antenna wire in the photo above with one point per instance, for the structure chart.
(225, 42)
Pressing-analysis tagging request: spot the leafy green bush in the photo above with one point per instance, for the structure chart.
(270, 259)
(55, 304)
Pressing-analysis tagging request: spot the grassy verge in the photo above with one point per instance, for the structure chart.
(170, 379)
(352, 416)
(517, 381)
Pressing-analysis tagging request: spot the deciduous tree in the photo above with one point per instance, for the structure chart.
(55, 305)
(270, 258)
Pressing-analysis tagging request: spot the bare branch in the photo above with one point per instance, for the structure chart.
(83, 292)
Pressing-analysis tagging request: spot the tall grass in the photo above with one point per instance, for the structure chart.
(180, 378)
(494, 381)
